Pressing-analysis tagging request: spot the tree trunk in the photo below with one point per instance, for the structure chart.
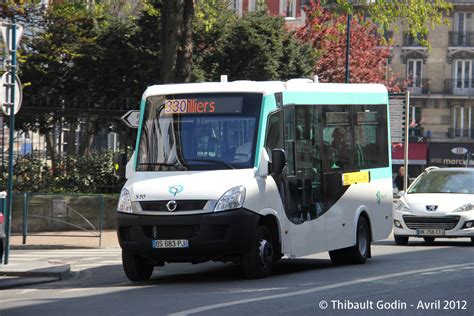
(87, 139)
(184, 61)
(48, 136)
(71, 139)
(171, 28)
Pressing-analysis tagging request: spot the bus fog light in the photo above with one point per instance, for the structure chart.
(397, 223)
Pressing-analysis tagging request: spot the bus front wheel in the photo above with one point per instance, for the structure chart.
(135, 268)
(258, 262)
(358, 253)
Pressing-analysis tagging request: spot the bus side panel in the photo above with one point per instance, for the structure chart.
(381, 197)
(340, 224)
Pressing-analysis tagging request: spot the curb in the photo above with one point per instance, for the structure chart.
(14, 278)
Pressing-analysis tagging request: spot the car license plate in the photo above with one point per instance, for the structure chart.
(430, 232)
(170, 243)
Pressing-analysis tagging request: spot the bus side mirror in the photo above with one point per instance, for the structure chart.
(120, 161)
(278, 160)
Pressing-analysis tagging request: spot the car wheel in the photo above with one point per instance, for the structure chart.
(357, 254)
(401, 240)
(258, 262)
(429, 240)
(135, 268)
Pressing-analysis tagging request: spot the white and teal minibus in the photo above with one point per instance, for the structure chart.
(251, 171)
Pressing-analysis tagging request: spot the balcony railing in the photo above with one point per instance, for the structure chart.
(410, 40)
(464, 39)
(415, 86)
(459, 86)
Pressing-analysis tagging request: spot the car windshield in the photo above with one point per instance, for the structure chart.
(199, 132)
(442, 181)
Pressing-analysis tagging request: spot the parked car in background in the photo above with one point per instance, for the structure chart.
(439, 203)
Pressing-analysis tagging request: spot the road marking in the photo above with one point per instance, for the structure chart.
(315, 289)
(258, 290)
(26, 291)
(429, 273)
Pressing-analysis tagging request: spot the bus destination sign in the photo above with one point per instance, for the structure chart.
(204, 105)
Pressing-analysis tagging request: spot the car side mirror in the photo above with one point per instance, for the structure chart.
(401, 193)
(278, 160)
(120, 161)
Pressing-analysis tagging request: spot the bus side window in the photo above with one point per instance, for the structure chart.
(274, 137)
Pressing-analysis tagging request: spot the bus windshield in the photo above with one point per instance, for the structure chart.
(205, 131)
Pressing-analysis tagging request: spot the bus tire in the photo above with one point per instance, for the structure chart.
(429, 240)
(258, 261)
(401, 240)
(135, 268)
(358, 253)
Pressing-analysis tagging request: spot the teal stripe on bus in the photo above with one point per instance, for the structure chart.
(268, 105)
(140, 124)
(333, 98)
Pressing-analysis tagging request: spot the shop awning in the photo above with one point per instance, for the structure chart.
(416, 153)
(451, 154)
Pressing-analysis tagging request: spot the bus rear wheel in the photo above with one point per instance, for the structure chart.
(358, 253)
(258, 262)
(135, 268)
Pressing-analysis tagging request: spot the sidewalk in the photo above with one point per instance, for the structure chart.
(21, 273)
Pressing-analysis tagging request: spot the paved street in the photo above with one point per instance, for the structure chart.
(409, 280)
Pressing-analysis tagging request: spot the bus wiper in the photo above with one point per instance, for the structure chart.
(220, 162)
(164, 164)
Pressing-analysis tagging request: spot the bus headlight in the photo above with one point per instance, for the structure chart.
(232, 199)
(125, 203)
(398, 205)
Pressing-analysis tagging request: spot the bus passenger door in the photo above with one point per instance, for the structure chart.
(303, 176)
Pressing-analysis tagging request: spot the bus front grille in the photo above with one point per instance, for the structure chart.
(181, 205)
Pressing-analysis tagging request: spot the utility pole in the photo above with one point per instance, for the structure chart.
(11, 86)
(348, 45)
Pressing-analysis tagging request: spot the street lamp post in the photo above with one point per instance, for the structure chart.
(348, 45)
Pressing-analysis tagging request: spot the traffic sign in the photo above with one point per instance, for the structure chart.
(131, 118)
(6, 94)
(6, 34)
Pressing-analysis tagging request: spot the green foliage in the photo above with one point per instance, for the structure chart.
(77, 174)
(255, 47)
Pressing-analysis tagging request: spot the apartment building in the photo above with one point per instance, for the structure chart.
(292, 10)
(441, 82)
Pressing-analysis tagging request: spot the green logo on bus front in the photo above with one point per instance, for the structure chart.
(175, 189)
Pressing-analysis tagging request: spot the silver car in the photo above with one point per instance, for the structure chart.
(439, 203)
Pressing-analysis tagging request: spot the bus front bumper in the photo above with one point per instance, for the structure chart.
(221, 236)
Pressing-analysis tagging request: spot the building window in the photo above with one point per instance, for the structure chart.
(256, 5)
(236, 5)
(414, 75)
(463, 76)
(463, 27)
(288, 8)
(463, 120)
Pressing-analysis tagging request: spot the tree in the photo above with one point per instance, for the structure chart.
(254, 47)
(327, 33)
(414, 16)
(176, 39)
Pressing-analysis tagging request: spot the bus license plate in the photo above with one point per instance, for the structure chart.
(430, 232)
(170, 243)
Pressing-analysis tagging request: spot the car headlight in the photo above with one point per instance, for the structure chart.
(232, 199)
(125, 202)
(465, 208)
(398, 205)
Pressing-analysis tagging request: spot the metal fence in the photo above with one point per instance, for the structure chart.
(73, 214)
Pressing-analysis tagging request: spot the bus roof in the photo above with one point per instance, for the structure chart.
(264, 87)
(301, 85)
